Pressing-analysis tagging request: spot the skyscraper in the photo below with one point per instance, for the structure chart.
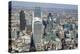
(50, 22)
(37, 12)
(22, 20)
(37, 27)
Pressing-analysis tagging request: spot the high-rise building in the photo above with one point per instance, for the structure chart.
(37, 34)
(37, 27)
(37, 12)
(22, 20)
(50, 22)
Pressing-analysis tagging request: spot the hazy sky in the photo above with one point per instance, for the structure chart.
(19, 4)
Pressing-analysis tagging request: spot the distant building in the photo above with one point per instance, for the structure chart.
(37, 12)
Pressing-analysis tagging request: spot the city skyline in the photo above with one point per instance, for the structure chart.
(42, 26)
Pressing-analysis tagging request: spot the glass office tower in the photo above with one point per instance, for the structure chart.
(37, 28)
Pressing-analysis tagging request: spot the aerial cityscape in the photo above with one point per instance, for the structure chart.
(42, 27)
